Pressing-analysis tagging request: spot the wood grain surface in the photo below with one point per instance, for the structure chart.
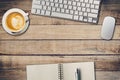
(61, 32)
(52, 40)
(60, 47)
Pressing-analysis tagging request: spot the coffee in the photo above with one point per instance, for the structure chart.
(15, 21)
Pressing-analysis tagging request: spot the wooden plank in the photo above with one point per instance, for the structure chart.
(102, 75)
(61, 32)
(107, 9)
(54, 21)
(21, 75)
(26, 4)
(12, 75)
(102, 63)
(41, 20)
(68, 47)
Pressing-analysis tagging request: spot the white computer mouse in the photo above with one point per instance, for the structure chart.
(108, 28)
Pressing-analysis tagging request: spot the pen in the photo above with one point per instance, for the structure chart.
(77, 74)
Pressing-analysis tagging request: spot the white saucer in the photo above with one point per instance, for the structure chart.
(27, 20)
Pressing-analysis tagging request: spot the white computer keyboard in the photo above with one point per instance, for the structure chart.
(79, 10)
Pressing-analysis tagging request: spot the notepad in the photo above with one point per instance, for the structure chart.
(62, 71)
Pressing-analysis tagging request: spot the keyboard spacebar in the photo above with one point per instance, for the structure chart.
(61, 15)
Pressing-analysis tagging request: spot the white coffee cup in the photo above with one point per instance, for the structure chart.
(15, 21)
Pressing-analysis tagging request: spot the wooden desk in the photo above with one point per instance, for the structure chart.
(52, 40)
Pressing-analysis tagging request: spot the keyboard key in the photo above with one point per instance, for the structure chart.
(83, 9)
(42, 12)
(46, 0)
(74, 7)
(81, 0)
(96, 2)
(67, 11)
(52, 4)
(85, 20)
(56, 4)
(43, 3)
(92, 6)
(61, 5)
(47, 13)
(70, 7)
(76, 13)
(85, 14)
(87, 5)
(65, 6)
(44, 7)
(86, 1)
(91, 1)
(61, 15)
(62, 10)
(56, 1)
(69, 2)
(38, 11)
(33, 11)
(96, 7)
(74, 3)
(71, 11)
(79, 8)
(58, 10)
(49, 8)
(37, 2)
(60, 1)
(78, 3)
(65, 2)
(76, 0)
(37, 6)
(47, 3)
(81, 18)
(92, 15)
(83, 4)
(94, 11)
(53, 8)
(94, 21)
(51, 0)
(81, 13)
(89, 19)
(76, 17)
(88, 10)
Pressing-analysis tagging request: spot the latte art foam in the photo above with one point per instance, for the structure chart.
(15, 21)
